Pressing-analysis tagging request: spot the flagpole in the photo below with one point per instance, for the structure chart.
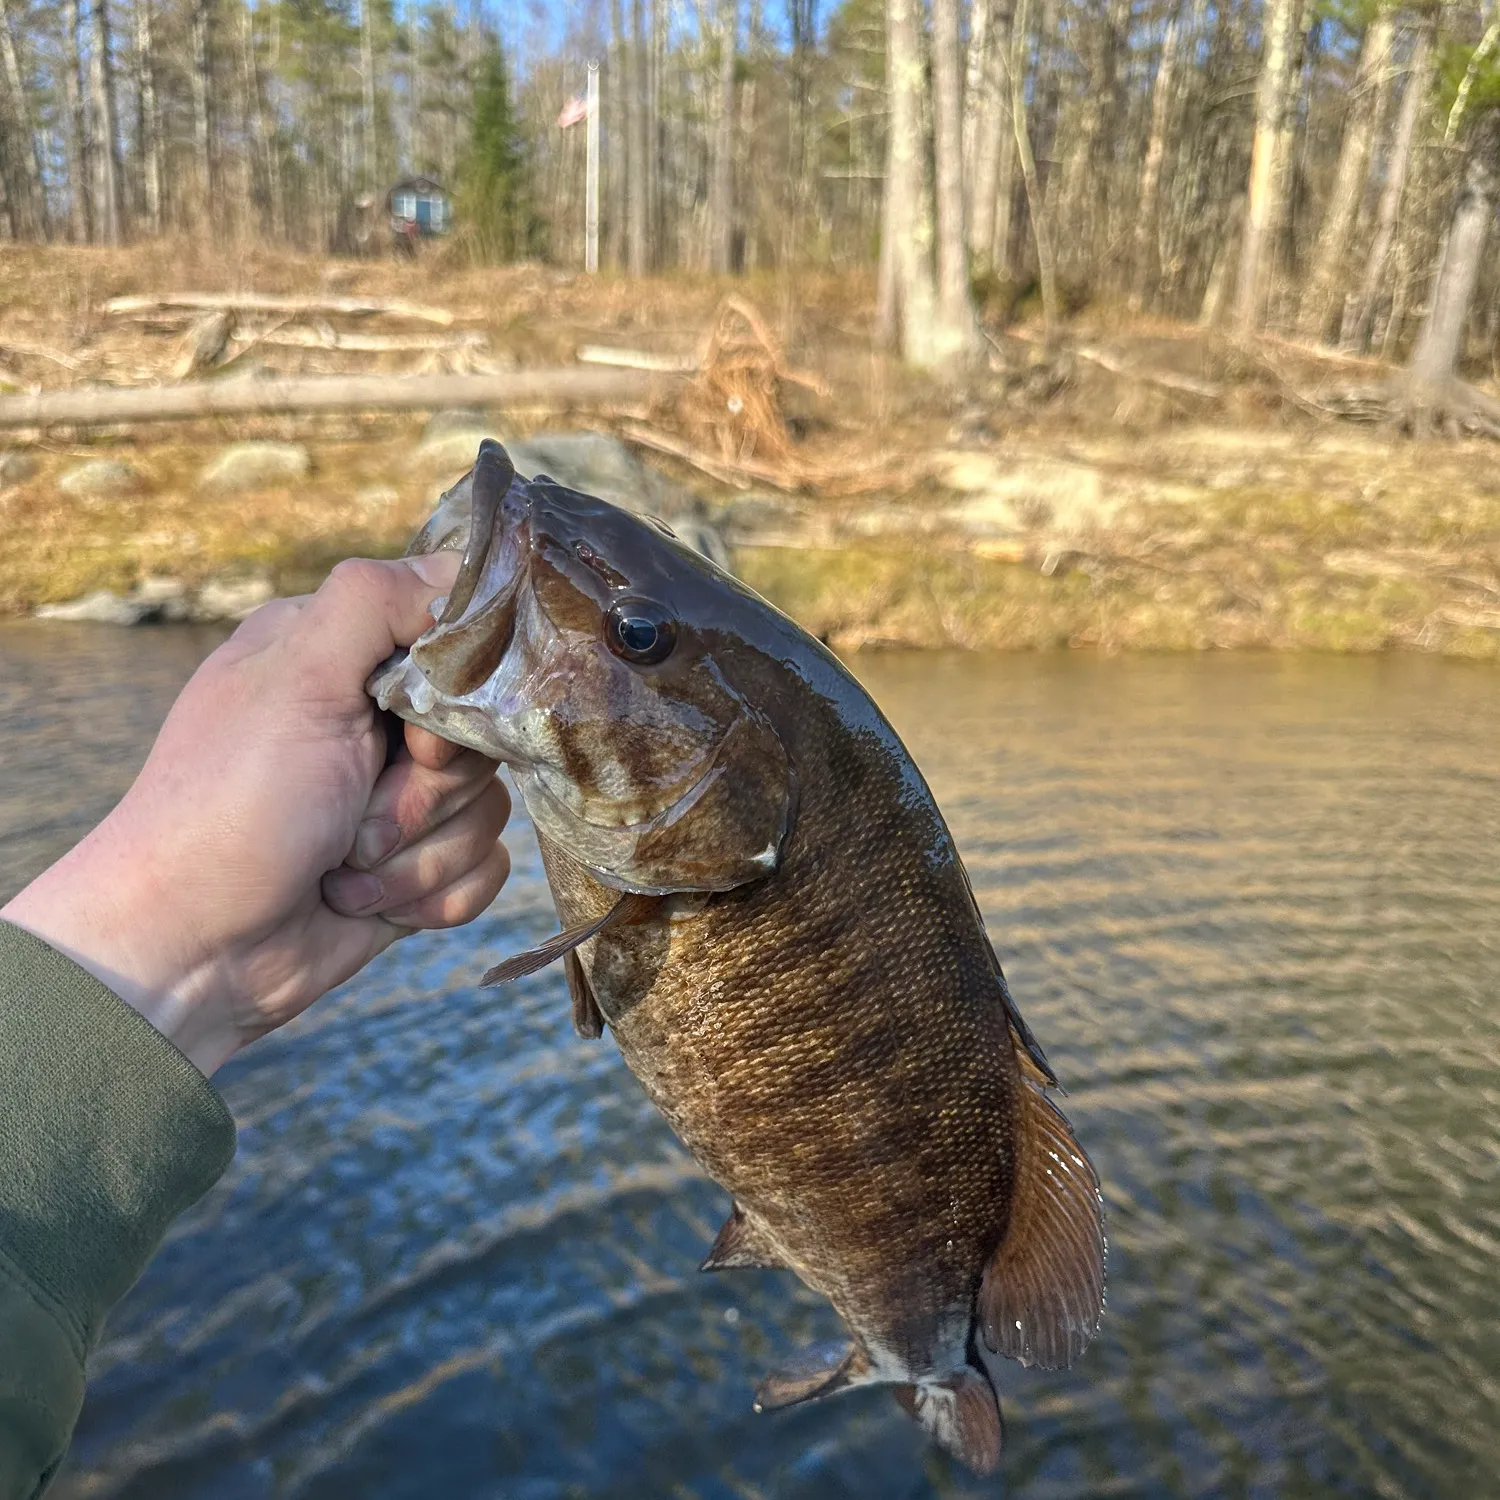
(591, 187)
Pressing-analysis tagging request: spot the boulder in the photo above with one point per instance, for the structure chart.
(231, 598)
(102, 607)
(99, 478)
(255, 466)
(450, 442)
(17, 468)
(165, 599)
(598, 464)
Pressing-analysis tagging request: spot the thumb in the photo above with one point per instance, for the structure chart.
(365, 609)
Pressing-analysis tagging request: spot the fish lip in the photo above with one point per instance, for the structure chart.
(496, 561)
(489, 487)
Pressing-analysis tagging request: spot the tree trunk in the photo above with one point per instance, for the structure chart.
(721, 200)
(1035, 191)
(1321, 293)
(1360, 315)
(1435, 357)
(1263, 206)
(369, 172)
(988, 117)
(202, 85)
(108, 185)
(957, 333)
(1144, 263)
(29, 148)
(73, 128)
(908, 218)
(640, 147)
(1477, 59)
(148, 118)
(616, 133)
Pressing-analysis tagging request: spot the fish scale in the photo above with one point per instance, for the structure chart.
(765, 908)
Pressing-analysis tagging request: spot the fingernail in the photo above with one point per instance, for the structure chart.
(375, 839)
(437, 568)
(352, 891)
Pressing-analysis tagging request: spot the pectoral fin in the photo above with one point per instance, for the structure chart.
(588, 1019)
(818, 1371)
(1043, 1290)
(629, 908)
(741, 1246)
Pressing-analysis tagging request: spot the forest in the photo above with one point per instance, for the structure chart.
(1327, 169)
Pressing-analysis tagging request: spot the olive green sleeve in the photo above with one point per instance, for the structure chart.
(106, 1134)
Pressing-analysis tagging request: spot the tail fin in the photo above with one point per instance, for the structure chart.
(961, 1414)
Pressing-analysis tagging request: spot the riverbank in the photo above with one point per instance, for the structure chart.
(1146, 489)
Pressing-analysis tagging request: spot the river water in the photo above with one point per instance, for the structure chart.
(1248, 905)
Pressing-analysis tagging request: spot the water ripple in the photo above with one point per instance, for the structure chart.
(1247, 903)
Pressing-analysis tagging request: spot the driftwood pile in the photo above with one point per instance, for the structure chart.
(222, 327)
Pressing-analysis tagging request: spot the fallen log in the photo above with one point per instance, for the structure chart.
(636, 359)
(551, 388)
(271, 302)
(325, 337)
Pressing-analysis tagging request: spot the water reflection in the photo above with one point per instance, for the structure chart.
(1245, 902)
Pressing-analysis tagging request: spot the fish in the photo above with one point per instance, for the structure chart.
(761, 902)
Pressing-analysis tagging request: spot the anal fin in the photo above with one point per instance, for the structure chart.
(588, 1019)
(818, 1371)
(962, 1415)
(741, 1245)
(1043, 1289)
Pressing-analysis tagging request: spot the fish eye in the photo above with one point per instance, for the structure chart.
(639, 631)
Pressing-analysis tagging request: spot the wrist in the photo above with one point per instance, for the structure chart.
(100, 908)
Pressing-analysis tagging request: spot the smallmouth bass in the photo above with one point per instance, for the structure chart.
(761, 901)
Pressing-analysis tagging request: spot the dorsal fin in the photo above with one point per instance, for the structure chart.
(1043, 1290)
(741, 1245)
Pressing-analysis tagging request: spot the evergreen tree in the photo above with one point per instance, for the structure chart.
(495, 202)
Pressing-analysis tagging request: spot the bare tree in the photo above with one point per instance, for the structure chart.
(616, 132)
(148, 120)
(1263, 205)
(202, 84)
(1162, 100)
(1035, 197)
(989, 148)
(908, 219)
(1321, 295)
(957, 333)
(79, 217)
(1359, 318)
(721, 198)
(29, 198)
(108, 184)
(1432, 395)
(638, 113)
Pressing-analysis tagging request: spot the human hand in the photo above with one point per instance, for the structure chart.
(266, 852)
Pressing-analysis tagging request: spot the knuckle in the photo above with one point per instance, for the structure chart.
(356, 575)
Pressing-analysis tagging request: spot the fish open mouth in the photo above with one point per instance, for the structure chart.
(474, 629)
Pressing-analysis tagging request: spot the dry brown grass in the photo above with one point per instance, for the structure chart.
(1249, 522)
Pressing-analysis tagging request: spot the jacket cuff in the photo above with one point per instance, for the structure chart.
(107, 1133)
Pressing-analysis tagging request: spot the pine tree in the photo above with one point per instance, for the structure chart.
(494, 197)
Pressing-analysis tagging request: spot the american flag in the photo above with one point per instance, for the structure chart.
(574, 111)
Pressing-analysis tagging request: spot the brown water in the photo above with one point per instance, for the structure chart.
(1246, 903)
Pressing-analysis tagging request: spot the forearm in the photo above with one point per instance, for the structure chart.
(107, 1133)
